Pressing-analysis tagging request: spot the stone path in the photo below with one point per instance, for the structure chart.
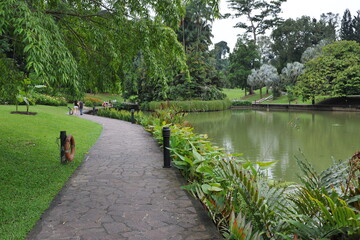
(121, 191)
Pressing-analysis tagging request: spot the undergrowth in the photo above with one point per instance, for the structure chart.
(245, 205)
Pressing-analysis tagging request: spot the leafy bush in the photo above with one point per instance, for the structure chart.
(121, 115)
(237, 102)
(43, 99)
(125, 106)
(212, 93)
(228, 186)
(189, 106)
(245, 204)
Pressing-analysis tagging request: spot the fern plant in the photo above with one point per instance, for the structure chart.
(266, 204)
(322, 212)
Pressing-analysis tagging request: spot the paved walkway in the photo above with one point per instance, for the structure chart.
(121, 191)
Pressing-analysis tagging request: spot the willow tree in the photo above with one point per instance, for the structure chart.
(78, 44)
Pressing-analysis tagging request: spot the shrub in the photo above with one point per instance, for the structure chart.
(44, 99)
(229, 187)
(245, 204)
(237, 102)
(121, 115)
(189, 106)
(125, 106)
(88, 104)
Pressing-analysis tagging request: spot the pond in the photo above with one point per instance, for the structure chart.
(320, 137)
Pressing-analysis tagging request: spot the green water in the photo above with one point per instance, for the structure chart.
(283, 136)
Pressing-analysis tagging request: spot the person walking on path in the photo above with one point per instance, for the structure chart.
(121, 191)
(81, 107)
(76, 107)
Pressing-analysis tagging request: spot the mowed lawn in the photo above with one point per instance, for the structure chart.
(105, 97)
(30, 170)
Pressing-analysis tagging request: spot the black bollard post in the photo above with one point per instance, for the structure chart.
(166, 141)
(93, 112)
(62, 146)
(132, 115)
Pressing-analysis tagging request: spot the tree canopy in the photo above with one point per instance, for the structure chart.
(346, 30)
(244, 58)
(335, 72)
(261, 15)
(76, 45)
(292, 37)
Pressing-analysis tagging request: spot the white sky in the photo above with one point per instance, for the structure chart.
(223, 29)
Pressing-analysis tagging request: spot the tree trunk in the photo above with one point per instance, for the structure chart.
(260, 92)
(313, 100)
(183, 29)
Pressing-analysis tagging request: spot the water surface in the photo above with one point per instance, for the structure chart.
(282, 136)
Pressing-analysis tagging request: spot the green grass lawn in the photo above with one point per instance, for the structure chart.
(284, 100)
(105, 97)
(235, 93)
(31, 173)
(240, 94)
(256, 96)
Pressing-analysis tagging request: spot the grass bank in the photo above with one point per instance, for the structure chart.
(31, 173)
(240, 94)
(105, 97)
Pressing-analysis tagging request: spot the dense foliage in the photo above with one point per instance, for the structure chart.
(73, 46)
(121, 115)
(243, 58)
(292, 37)
(350, 27)
(43, 99)
(189, 106)
(335, 72)
(260, 15)
(245, 204)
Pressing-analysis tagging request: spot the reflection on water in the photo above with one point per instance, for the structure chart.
(283, 136)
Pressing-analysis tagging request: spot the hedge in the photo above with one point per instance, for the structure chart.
(189, 106)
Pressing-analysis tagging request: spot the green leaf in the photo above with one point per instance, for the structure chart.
(265, 164)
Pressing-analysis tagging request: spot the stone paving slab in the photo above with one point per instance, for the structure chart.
(121, 191)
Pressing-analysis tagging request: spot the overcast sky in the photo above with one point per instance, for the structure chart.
(223, 29)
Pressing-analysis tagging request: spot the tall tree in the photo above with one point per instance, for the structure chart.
(243, 58)
(260, 15)
(264, 47)
(335, 72)
(292, 37)
(195, 34)
(356, 27)
(346, 30)
(220, 50)
(78, 44)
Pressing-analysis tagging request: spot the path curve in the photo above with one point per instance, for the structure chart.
(121, 191)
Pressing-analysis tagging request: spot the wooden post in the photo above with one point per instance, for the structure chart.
(62, 146)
